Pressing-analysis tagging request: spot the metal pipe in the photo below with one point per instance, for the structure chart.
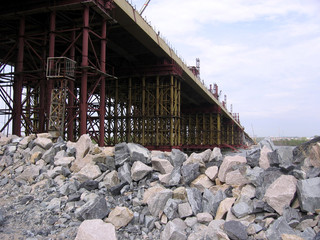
(52, 38)
(84, 78)
(71, 112)
(18, 80)
(144, 7)
(103, 82)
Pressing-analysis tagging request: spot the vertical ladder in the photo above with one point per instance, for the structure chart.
(58, 106)
(60, 70)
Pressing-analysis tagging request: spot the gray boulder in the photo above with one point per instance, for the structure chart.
(116, 190)
(95, 208)
(301, 152)
(282, 157)
(2, 217)
(89, 185)
(214, 230)
(268, 143)
(207, 202)
(157, 202)
(253, 175)
(171, 208)
(138, 153)
(121, 154)
(292, 216)
(190, 172)
(69, 188)
(173, 231)
(175, 177)
(235, 230)
(48, 156)
(265, 179)
(317, 237)
(309, 194)
(253, 157)
(195, 200)
(259, 206)
(308, 233)
(242, 208)
(124, 173)
(279, 227)
(211, 202)
(177, 157)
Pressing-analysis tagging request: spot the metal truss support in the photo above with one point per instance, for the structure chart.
(200, 128)
(18, 81)
(144, 110)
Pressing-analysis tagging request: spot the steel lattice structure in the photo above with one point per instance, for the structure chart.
(128, 84)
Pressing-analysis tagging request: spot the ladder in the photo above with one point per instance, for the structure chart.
(60, 70)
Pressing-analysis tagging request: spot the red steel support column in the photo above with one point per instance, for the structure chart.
(43, 91)
(84, 78)
(52, 38)
(71, 112)
(103, 82)
(18, 81)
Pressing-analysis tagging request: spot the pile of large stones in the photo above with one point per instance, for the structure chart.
(77, 190)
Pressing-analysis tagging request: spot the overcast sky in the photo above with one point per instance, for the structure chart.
(263, 54)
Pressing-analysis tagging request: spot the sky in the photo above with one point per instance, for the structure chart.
(263, 54)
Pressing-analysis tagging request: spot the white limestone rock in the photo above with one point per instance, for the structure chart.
(79, 163)
(216, 155)
(64, 161)
(96, 229)
(248, 191)
(227, 164)
(212, 172)
(202, 182)
(281, 192)
(139, 170)
(44, 143)
(224, 207)
(29, 174)
(236, 178)
(204, 217)
(83, 146)
(111, 179)
(150, 192)
(120, 217)
(184, 210)
(263, 160)
(90, 171)
(161, 165)
(173, 231)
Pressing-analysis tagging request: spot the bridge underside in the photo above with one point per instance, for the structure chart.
(124, 88)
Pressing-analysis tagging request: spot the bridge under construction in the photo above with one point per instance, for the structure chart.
(97, 67)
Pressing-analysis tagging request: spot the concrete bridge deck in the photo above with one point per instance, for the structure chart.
(128, 84)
